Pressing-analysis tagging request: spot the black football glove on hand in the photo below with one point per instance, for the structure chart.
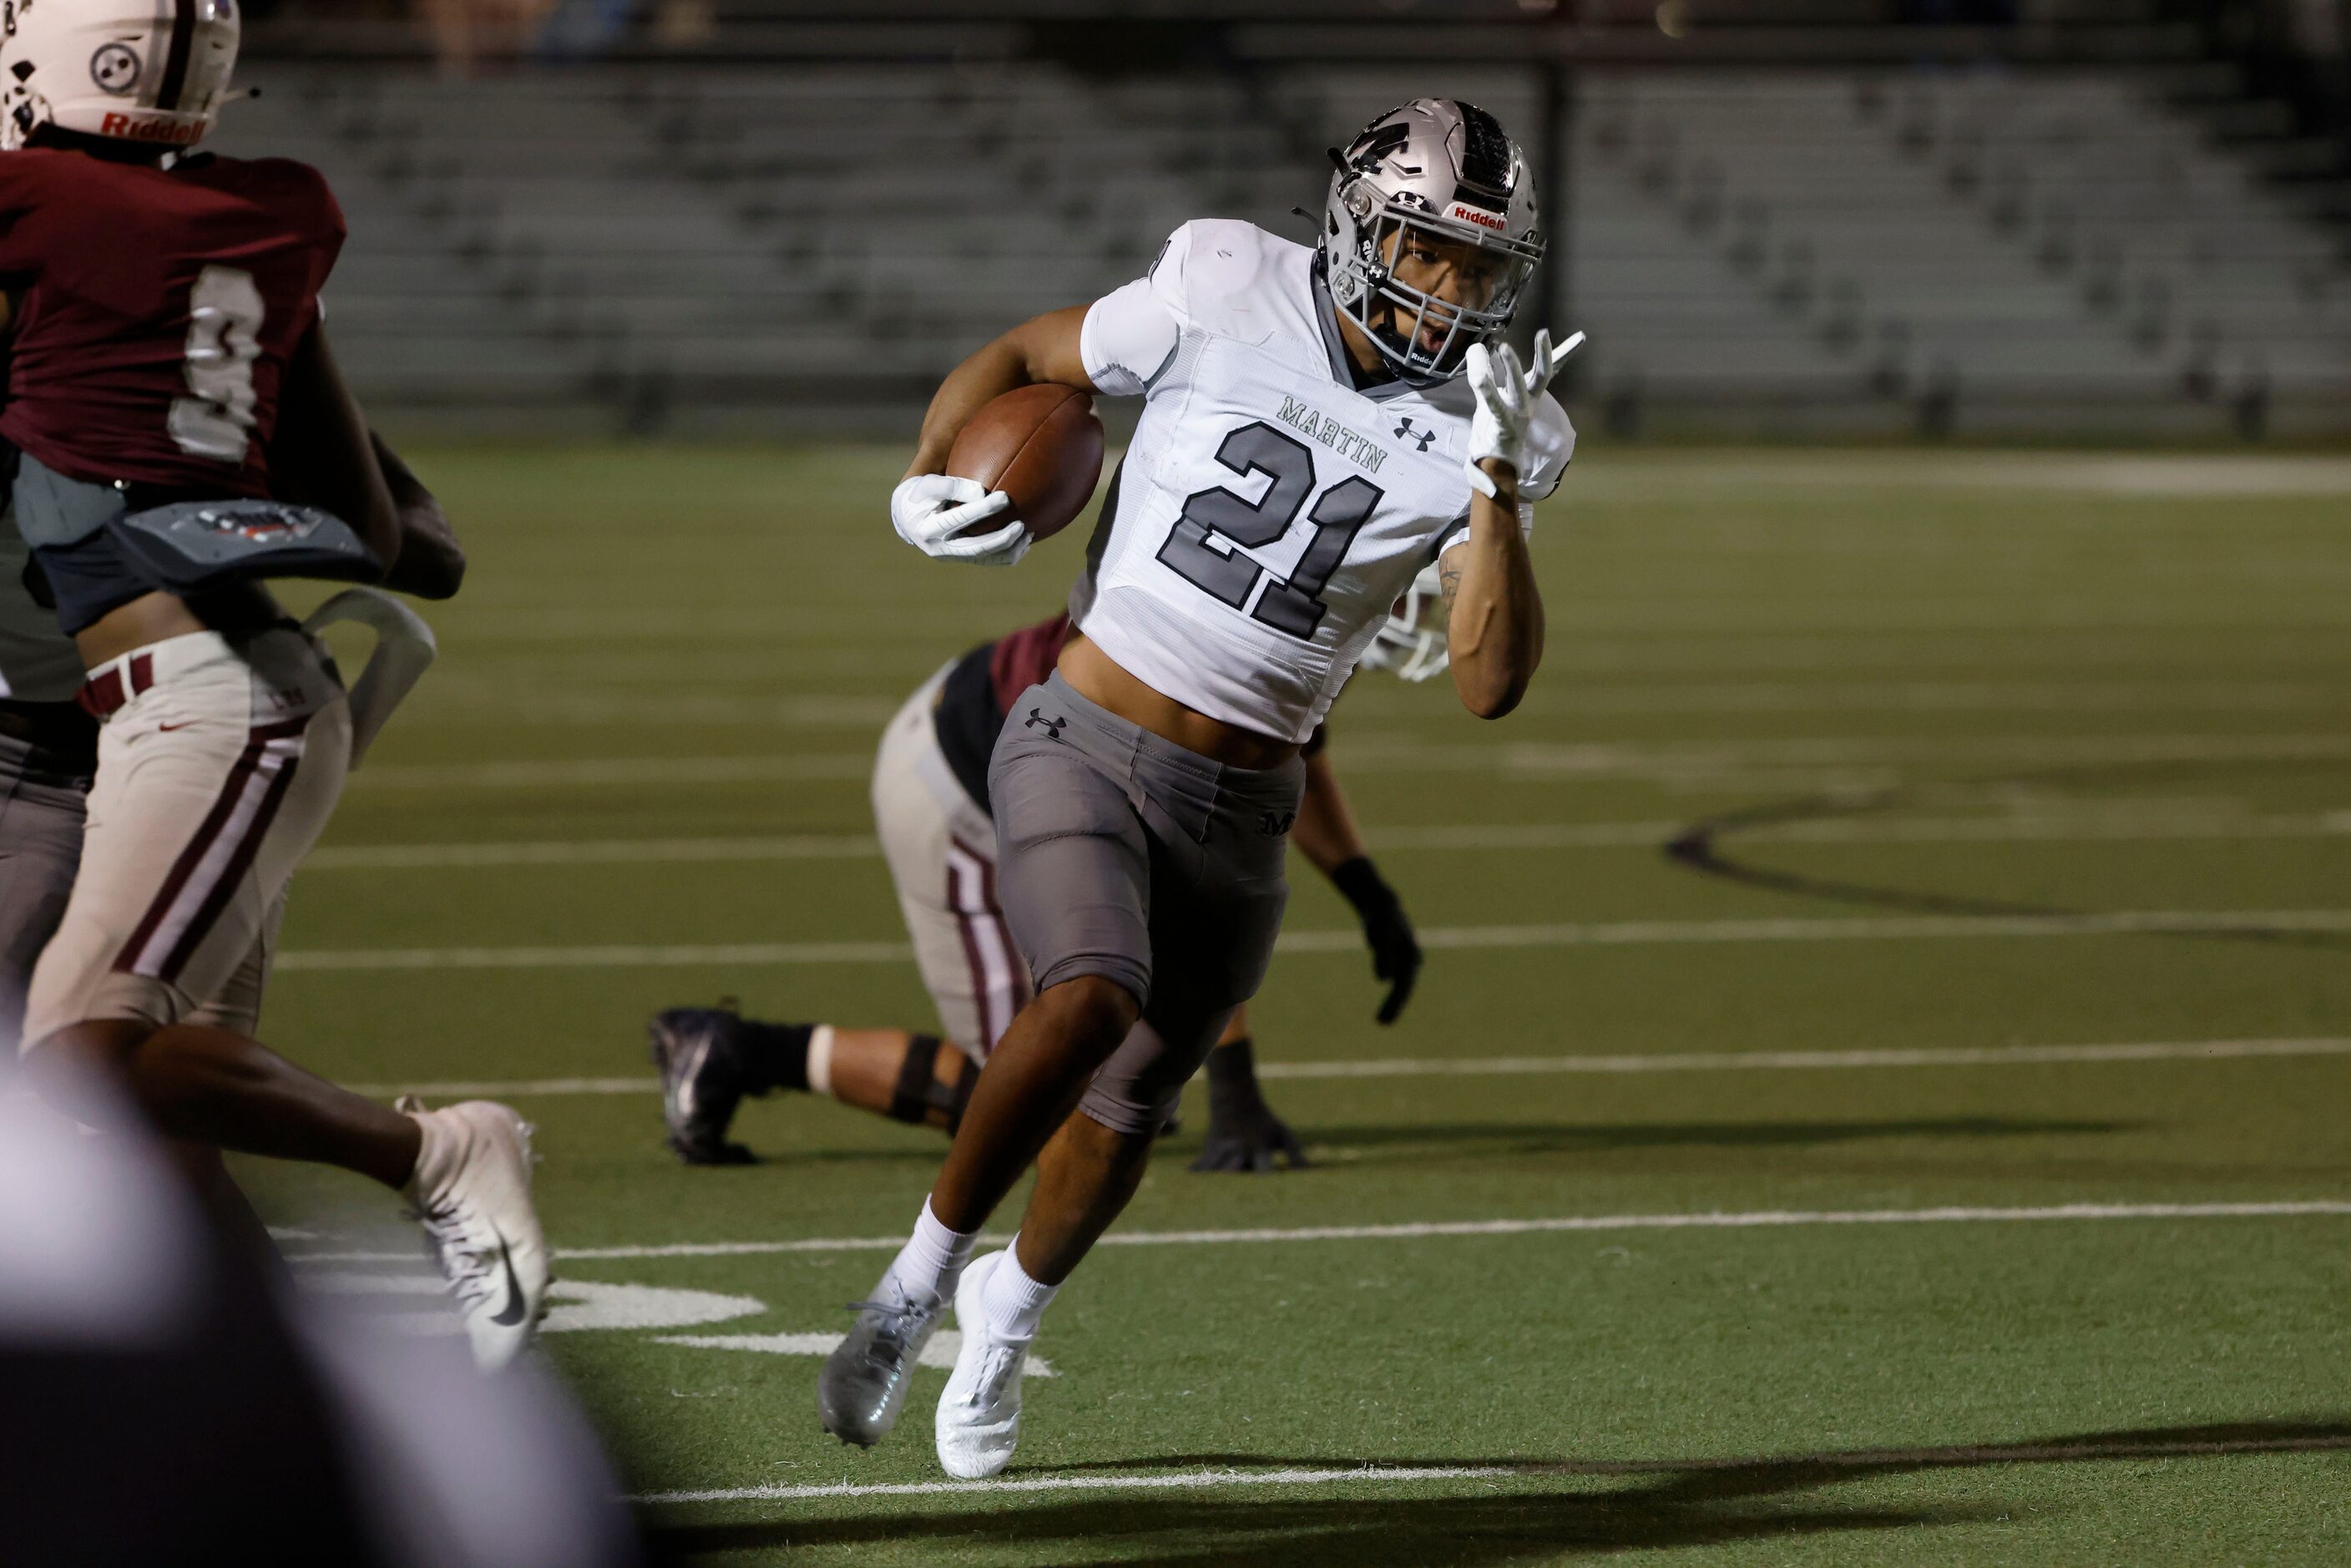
(1244, 1135)
(1396, 952)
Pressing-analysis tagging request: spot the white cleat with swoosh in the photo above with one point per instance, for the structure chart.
(472, 1192)
(978, 1421)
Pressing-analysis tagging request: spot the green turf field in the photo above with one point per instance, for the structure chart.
(1944, 1156)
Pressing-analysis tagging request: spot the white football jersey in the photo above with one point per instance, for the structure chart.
(1267, 513)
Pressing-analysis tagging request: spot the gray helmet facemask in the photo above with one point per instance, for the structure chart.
(1442, 172)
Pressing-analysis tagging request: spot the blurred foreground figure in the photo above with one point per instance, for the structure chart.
(164, 1400)
(182, 434)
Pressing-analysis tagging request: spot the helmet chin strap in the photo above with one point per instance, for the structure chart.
(1387, 328)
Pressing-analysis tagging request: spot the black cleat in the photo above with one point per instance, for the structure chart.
(702, 1082)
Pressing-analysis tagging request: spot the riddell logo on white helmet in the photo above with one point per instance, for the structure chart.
(171, 131)
(1467, 214)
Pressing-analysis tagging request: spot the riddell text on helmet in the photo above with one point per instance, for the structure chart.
(135, 128)
(1478, 216)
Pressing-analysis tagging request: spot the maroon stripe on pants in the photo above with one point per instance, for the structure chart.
(183, 869)
(972, 961)
(1015, 964)
(240, 861)
(126, 961)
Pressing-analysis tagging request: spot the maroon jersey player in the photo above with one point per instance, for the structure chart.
(161, 310)
(932, 813)
(168, 350)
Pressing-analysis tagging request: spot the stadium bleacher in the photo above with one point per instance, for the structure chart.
(673, 244)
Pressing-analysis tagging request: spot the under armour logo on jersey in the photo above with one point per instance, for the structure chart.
(1052, 726)
(1273, 824)
(1420, 438)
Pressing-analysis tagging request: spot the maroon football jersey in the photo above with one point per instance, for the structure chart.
(157, 310)
(1023, 659)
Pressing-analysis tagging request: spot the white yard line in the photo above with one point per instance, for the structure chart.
(1368, 752)
(1710, 1219)
(2086, 826)
(599, 771)
(1969, 1455)
(541, 704)
(595, 852)
(504, 1088)
(742, 955)
(1597, 934)
(1183, 1481)
(1805, 1060)
(1528, 1066)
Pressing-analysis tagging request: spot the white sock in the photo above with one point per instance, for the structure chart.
(819, 1064)
(435, 1154)
(931, 1260)
(1014, 1303)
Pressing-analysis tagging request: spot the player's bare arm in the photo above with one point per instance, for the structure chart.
(430, 563)
(956, 519)
(1043, 349)
(1493, 611)
(1494, 617)
(327, 453)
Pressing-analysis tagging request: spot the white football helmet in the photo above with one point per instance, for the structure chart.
(1411, 641)
(152, 71)
(1445, 169)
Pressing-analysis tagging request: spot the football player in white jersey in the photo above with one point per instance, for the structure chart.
(1319, 426)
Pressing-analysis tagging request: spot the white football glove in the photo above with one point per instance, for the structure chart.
(1513, 424)
(932, 511)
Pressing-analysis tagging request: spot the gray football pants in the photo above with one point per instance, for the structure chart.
(1123, 855)
(40, 846)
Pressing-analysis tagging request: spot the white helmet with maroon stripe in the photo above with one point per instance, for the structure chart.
(1445, 171)
(151, 71)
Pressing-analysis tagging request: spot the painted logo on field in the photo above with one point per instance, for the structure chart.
(398, 1301)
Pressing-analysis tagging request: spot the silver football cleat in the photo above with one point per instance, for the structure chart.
(863, 1383)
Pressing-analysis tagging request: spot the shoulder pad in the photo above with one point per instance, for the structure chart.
(1231, 276)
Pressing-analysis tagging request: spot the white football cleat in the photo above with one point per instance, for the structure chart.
(472, 1192)
(978, 1423)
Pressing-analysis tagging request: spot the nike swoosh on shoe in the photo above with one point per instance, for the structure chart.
(511, 1314)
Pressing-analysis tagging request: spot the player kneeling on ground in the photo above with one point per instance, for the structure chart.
(1319, 426)
(932, 810)
(171, 392)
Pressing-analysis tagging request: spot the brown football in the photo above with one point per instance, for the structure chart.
(1041, 444)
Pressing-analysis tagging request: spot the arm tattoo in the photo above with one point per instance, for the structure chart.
(1448, 585)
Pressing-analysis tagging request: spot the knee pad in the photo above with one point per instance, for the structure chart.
(919, 1093)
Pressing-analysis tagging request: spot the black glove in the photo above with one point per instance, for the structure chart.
(1396, 952)
(1244, 1135)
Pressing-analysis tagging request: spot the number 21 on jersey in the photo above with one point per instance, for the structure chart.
(225, 313)
(1294, 606)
